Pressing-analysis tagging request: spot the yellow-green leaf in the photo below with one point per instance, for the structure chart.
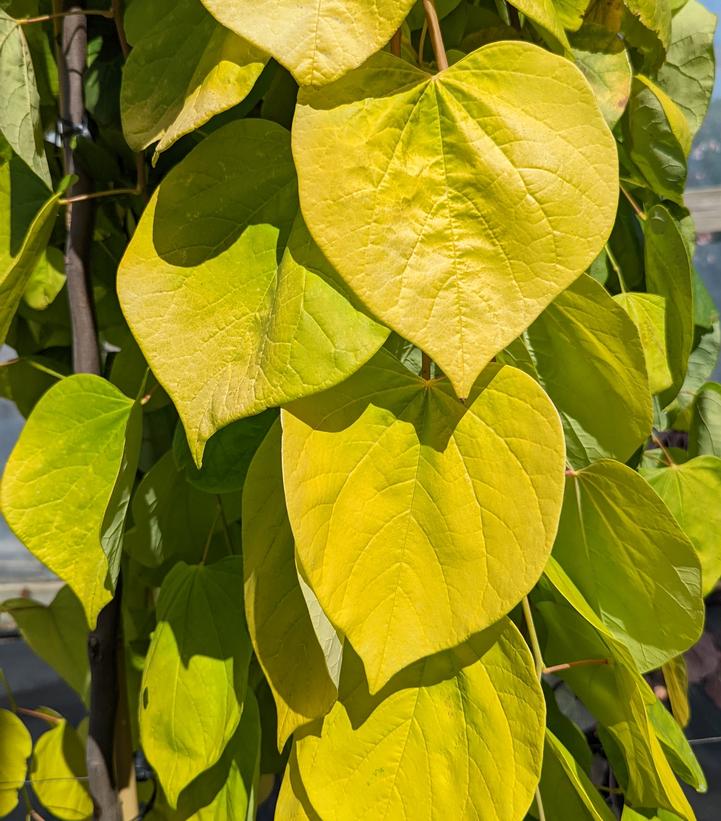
(674, 743)
(614, 526)
(604, 61)
(675, 675)
(316, 42)
(280, 625)
(496, 180)
(457, 735)
(705, 429)
(408, 507)
(186, 69)
(566, 791)
(195, 673)
(648, 312)
(668, 273)
(586, 353)
(58, 773)
(293, 802)
(223, 237)
(15, 748)
(27, 216)
(57, 632)
(66, 484)
(545, 15)
(571, 12)
(691, 492)
(617, 696)
(687, 75)
(20, 112)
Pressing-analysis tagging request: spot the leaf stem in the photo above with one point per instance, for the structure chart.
(44, 18)
(434, 27)
(226, 528)
(666, 453)
(38, 714)
(422, 42)
(210, 535)
(557, 668)
(396, 44)
(636, 207)
(96, 195)
(617, 268)
(540, 666)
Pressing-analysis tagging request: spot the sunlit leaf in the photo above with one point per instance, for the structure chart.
(278, 619)
(678, 751)
(675, 675)
(66, 485)
(281, 328)
(547, 18)
(316, 42)
(409, 507)
(614, 526)
(498, 188)
(648, 312)
(195, 673)
(185, 69)
(15, 748)
(420, 748)
(58, 773)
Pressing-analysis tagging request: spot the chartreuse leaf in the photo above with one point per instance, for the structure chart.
(46, 279)
(656, 136)
(675, 675)
(605, 62)
(195, 674)
(223, 236)
(182, 72)
(687, 75)
(495, 178)
(20, 112)
(58, 773)
(409, 507)
(668, 273)
(293, 802)
(27, 216)
(57, 632)
(66, 484)
(618, 697)
(280, 625)
(420, 748)
(654, 16)
(228, 789)
(15, 748)
(678, 751)
(316, 42)
(630, 814)
(614, 526)
(566, 790)
(587, 355)
(571, 12)
(648, 312)
(705, 428)
(545, 15)
(691, 492)
(227, 454)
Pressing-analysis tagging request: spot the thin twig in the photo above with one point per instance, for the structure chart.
(96, 195)
(37, 365)
(422, 42)
(210, 535)
(39, 714)
(666, 453)
(557, 668)
(396, 44)
(434, 28)
(44, 18)
(616, 268)
(636, 207)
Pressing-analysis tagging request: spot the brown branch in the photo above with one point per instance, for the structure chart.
(434, 29)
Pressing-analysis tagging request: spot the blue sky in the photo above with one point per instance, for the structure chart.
(715, 7)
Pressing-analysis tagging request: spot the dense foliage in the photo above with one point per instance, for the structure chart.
(456, 256)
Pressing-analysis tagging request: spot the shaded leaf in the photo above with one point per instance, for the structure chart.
(678, 751)
(705, 430)
(195, 674)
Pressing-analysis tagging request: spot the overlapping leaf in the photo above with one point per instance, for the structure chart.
(66, 487)
(497, 186)
(691, 492)
(420, 748)
(195, 673)
(27, 215)
(182, 72)
(648, 312)
(705, 432)
(223, 238)
(409, 507)
(587, 355)
(280, 625)
(316, 42)
(613, 525)
(15, 748)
